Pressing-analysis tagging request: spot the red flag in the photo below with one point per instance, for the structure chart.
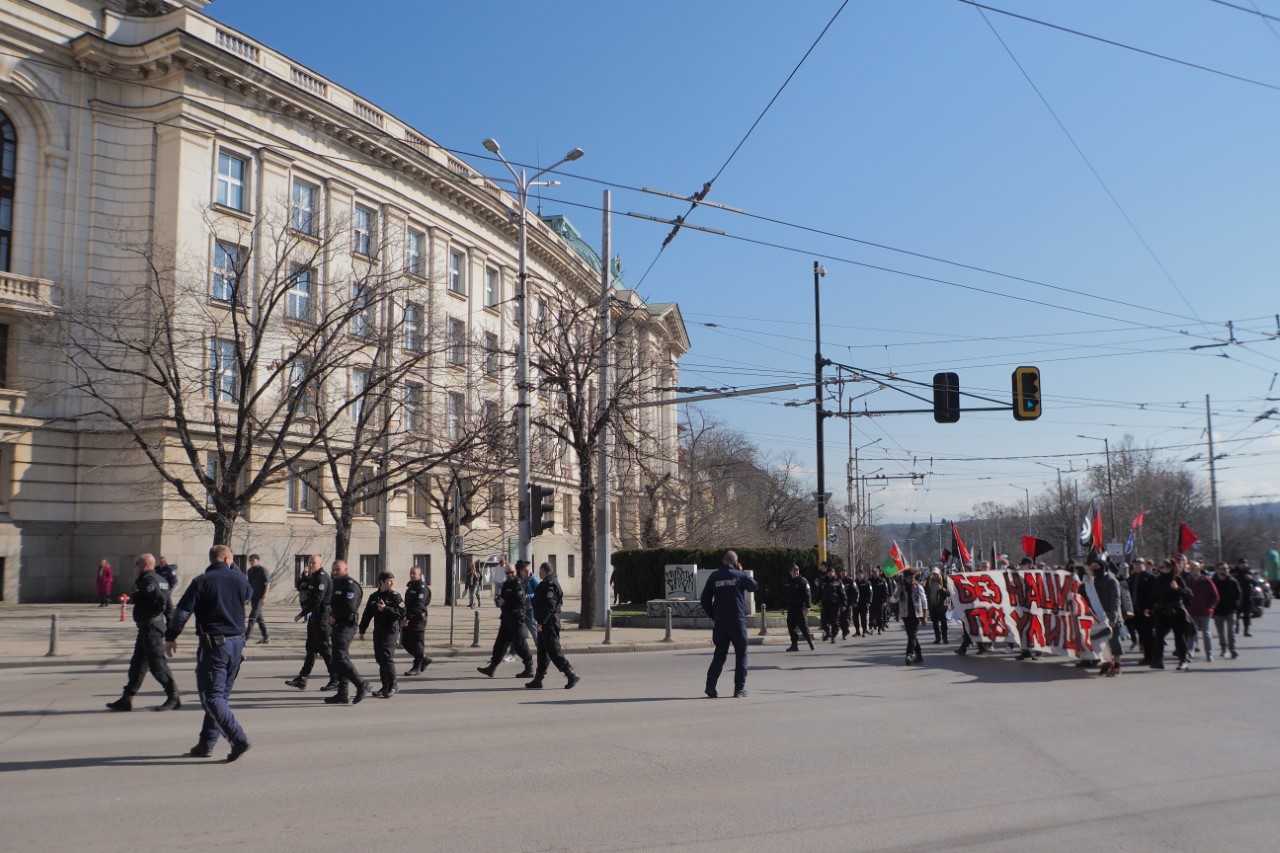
(1035, 548)
(957, 545)
(1137, 519)
(1185, 538)
(1091, 527)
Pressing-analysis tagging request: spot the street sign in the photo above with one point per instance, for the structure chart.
(831, 537)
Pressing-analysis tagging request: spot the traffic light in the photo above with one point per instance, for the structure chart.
(1026, 393)
(946, 398)
(542, 507)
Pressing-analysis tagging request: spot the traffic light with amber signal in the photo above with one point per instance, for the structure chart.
(1026, 393)
(542, 507)
(946, 398)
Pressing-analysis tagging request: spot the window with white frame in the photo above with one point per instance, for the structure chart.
(303, 216)
(419, 505)
(492, 288)
(211, 479)
(359, 385)
(457, 341)
(492, 355)
(222, 370)
(299, 369)
(413, 315)
(232, 181)
(8, 168)
(227, 262)
(367, 503)
(4, 355)
(497, 505)
(411, 413)
(490, 412)
(300, 492)
(362, 307)
(301, 290)
(456, 415)
(414, 255)
(458, 273)
(363, 225)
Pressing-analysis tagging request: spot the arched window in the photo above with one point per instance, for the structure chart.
(8, 156)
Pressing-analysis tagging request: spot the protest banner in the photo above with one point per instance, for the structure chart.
(1041, 610)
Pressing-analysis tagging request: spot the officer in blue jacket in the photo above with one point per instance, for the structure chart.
(724, 600)
(217, 599)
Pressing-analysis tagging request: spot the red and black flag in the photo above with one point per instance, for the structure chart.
(1185, 538)
(1035, 548)
(1091, 527)
(957, 546)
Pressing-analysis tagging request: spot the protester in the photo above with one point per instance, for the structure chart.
(1224, 615)
(912, 606)
(1103, 594)
(1243, 574)
(1168, 610)
(938, 596)
(1204, 598)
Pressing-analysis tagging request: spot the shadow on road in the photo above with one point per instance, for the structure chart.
(618, 701)
(104, 761)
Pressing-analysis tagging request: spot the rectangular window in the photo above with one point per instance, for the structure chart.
(222, 371)
(299, 370)
(367, 504)
(497, 505)
(211, 479)
(301, 288)
(231, 181)
(6, 475)
(369, 569)
(457, 341)
(456, 421)
(419, 506)
(423, 561)
(227, 261)
(568, 514)
(4, 355)
(359, 383)
(551, 558)
(492, 288)
(571, 566)
(411, 416)
(361, 305)
(300, 492)
(413, 327)
(490, 412)
(492, 355)
(302, 211)
(414, 241)
(363, 222)
(457, 273)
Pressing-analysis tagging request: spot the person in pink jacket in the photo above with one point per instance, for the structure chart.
(102, 583)
(1204, 598)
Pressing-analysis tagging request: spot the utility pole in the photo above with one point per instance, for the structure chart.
(818, 273)
(1213, 481)
(853, 524)
(604, 544)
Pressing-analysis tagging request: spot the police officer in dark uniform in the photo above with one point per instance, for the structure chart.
(386, 610)
(417, 597)
(510, 600)
(833, 601)
(879, 601)
(547, 599)
(344, 610)
(217, 599)
(724, 600)
(317, 595)
(260, 581)
(850, 602)
(151, 609)
(863, 607)
(796, 600)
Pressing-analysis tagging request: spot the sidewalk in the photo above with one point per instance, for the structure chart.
(95, 636)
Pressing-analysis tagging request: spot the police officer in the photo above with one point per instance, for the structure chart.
(510, 601)
(386, 610)
(863, 607)
(317, 595)
(796, 600)
(260, 581)
(724, 600)
(417, 597)
(850, 602)
(879, 601)
(168, 571)
(547, 599)
(344, 609)
(151, 609)
(217, 599)
(832, 596)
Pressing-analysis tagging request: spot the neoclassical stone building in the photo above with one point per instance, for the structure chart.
(130, 124)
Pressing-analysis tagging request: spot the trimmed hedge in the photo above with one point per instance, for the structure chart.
(637, 575)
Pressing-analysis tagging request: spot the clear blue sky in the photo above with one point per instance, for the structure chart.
(910, 126)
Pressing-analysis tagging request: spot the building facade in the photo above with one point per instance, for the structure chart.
(169, 179)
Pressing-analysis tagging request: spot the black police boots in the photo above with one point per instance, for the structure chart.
(171, 703)
(362, 690)
(124, 703)
(793, 648)
(487, 670)
(574, 678)
(412, 671)
(527, 672)
(299, 682)
(536, 684)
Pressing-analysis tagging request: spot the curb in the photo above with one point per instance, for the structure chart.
(614, 648)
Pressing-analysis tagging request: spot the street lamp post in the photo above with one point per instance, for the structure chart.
(818, 272)
(523, 183)
(1111, 501)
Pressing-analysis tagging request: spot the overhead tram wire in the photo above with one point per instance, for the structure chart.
(1255, 11)
(706, 188)
(1133, 226)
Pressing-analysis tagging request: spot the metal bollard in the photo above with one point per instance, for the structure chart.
(475, 632)
(53, 636)
(667, 639)
(764, 625)
(124, 599)
(608, 627)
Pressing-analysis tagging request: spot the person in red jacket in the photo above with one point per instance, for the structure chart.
(1204, 598)
(102, 583)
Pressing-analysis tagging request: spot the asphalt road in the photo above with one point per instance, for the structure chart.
(840, 749)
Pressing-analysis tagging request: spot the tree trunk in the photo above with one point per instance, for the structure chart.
(342, 536)
(587, 529)
(223, 525)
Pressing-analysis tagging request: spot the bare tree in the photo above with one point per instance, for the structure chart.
(210, 370)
